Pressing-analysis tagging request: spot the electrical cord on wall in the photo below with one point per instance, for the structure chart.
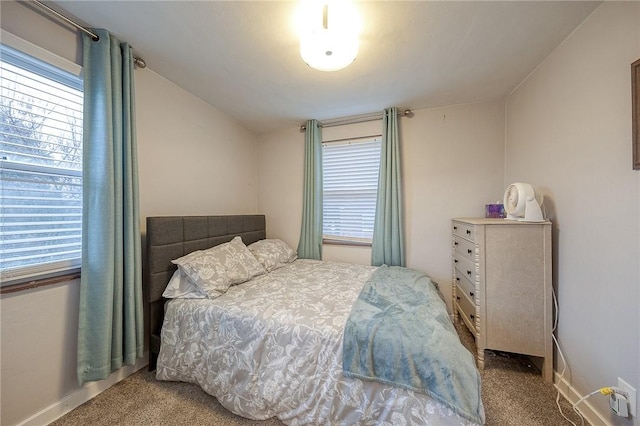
(564, 362)
(604, 391)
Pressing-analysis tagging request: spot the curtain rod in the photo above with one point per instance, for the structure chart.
(139, 62)
(357, 119)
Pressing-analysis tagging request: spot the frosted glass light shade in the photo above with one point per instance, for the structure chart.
(325, 50)
(329, 34)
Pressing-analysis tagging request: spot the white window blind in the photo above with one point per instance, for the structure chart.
(350, 187)
(40, 168)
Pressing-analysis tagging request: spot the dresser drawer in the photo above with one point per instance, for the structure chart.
(464, 230)
(467, 308)
(464, 247)
(464, 267)
(465, 286)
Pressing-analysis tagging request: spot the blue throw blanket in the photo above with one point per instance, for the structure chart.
(399, 333)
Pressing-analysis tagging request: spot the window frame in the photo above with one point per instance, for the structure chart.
(349, 240)
(12, 280)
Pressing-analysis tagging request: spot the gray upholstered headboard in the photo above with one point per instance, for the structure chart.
(170, 237)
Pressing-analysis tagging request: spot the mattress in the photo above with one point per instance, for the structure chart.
(272, 347)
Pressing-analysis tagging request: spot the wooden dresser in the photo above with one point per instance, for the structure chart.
(502, 286)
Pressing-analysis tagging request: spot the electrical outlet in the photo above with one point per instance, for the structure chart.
(631, 392)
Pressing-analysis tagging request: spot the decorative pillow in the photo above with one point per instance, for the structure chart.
(273, 253)
(180, 287)
(214, 270)
(245, 262)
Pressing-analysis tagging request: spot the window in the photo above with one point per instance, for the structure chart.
(40, 168)
(350, 188)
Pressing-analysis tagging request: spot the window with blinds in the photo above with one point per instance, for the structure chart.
(350, 188)
(40, 168)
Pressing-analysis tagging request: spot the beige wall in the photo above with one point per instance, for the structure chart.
(193, 160)
(569, 133)
(29, 23)
(452, 165)
(37, 339)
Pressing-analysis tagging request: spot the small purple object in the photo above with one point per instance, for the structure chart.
(494, 210)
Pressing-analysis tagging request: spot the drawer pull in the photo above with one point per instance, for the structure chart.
(455, 244)
(457, 279)
(472, 316)
(455, 228)
(468, 232)
(469, 273)
(471, 294)
(468, 251)
(457, 297)
(455, 260)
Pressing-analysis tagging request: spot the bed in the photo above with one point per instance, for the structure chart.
(284, 343)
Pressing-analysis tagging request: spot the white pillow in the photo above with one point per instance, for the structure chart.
(180, 287)
(214, 270)
(272, 253)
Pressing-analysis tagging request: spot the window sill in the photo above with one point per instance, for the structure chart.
(13, 288)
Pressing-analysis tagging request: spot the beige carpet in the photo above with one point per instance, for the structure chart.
(512, 391)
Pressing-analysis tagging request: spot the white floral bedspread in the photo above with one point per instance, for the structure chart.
(273, 347)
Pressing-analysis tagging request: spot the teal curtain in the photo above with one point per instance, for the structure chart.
(310, 245)
(110, 331)
(388, 238)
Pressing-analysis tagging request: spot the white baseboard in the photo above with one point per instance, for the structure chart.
(83, 394)
(587, 410)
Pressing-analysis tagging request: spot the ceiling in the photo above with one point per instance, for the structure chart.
(242, 56)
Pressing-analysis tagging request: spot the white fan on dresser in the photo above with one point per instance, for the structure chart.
(522, 202)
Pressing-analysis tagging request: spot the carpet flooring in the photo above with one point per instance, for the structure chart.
(512, 391)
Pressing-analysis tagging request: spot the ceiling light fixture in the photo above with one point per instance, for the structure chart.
(329, 31)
